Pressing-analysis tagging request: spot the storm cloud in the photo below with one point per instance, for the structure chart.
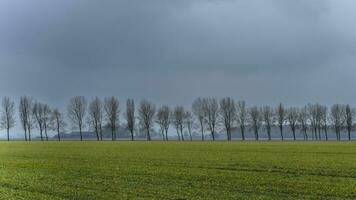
(173, 51)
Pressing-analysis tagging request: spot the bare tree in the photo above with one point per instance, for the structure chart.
(228, 113)
(303, 117)
(242, 117)
(198, 110)
(164, 120)
(111, 107)
(313, 117)
(76, 113)
(46, 118)
(37, 111)
(58, 123)
(95, 115)
(324, 120)
(189, 120)
(211, 108)
(146, 113)
(281, 118)
(267, 116)
(349, 118)
(292, 117)
(255, 119)
(178, 121)
(25, 109)
(130, 116)
(337, 113)
(7, 115)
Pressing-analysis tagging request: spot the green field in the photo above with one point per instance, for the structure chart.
(177, 170)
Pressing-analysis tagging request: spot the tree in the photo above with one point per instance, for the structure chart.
(349, 118)
(178, 121)
(7, 115)
(58, 123)
(313, 118)
(76, 113)
(228, 113)
(95, 114)
(303, 117)
(255, 119)
(130, 116)
(146, 113)
(164, 120)
(281, 118)
(292, 117)
(46, 118)
(337, 113)
(25, 109)
(189, 120)
(37, 111)
(111, 107)
(242, 117)
(211, 109)
(267, 116)
(324, 120)
(198, 110)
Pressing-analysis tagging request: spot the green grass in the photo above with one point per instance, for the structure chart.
(177, 170)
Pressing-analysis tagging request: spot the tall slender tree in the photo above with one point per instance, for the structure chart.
(146, 115)
(292, 117)
(25, 108)
(242, 117)
(58, 123)
(255, 119)
(349, 119)
(189, 120)
(164, 120)
(130, 116)
(111, 107)
(337, 113)
(37, 111)
(268, 117)
(228, 114)
(211, 108)
(77, 112)
(95, 115)
(198, 110)
(178, 121)
(7, 115)
(281, 118)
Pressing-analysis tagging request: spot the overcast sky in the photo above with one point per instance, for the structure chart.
(263, 51)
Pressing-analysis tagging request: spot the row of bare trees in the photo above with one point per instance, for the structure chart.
(211, 115)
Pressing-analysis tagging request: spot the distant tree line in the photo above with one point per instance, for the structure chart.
(207, 116)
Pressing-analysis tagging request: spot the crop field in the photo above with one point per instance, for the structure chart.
(177, 170)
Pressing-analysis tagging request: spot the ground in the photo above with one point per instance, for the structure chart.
(177, 170)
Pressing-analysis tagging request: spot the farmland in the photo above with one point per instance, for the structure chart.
(177, 170)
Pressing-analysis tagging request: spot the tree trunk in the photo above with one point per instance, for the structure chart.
(46, 133)
(8, 134)
(242, 133)
(26, 134)
(213, 135)
(281, 130)
(148, 135)
(41, 134)
(80, 132)
(166, 134)
(132, 136)
(101, 132)
(29, 135)
(202, 132)
(58, 134)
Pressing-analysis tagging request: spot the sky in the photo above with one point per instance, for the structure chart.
(170, 52)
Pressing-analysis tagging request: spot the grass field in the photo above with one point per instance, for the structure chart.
(177, 170)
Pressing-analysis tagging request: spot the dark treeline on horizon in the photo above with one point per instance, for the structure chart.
(209, 115)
